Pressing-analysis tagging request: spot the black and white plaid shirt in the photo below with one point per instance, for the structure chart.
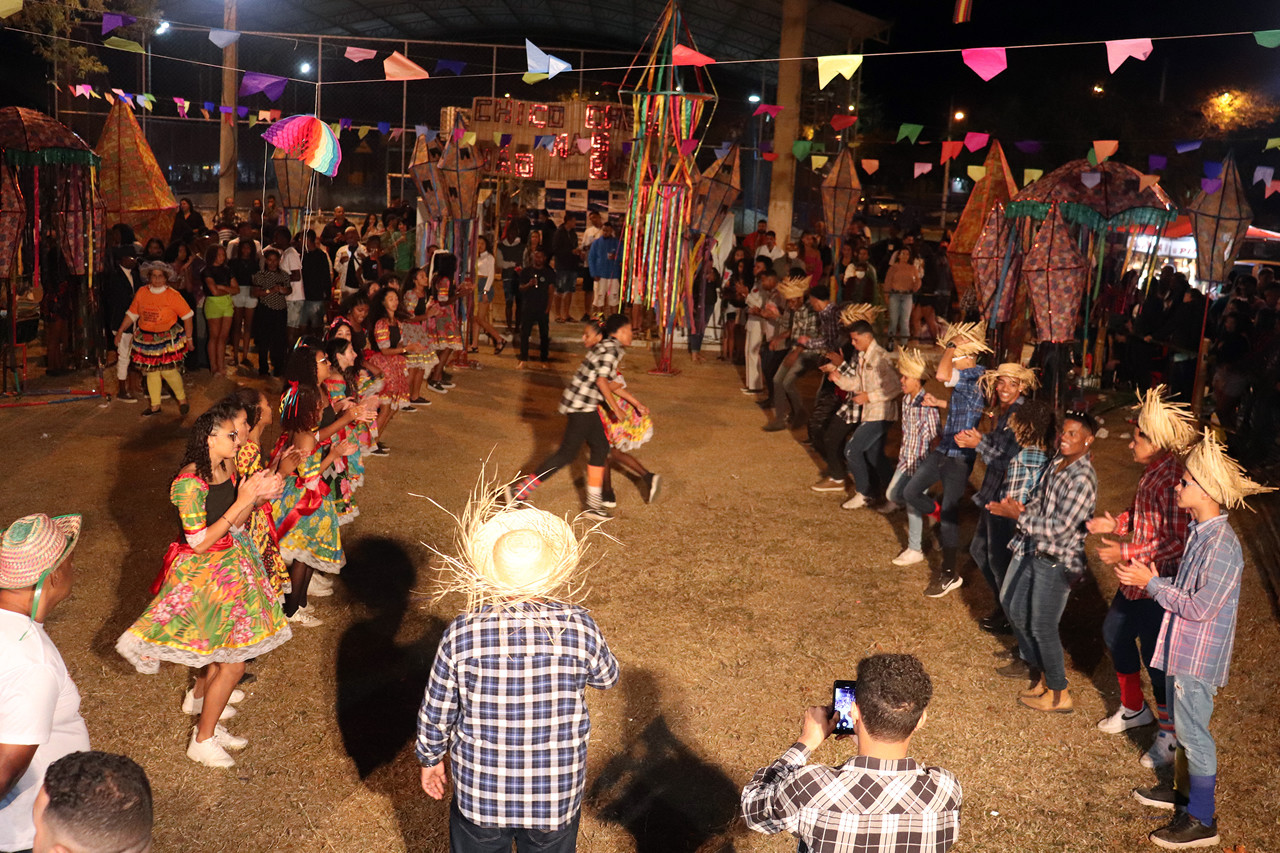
(506, 701)
(866, 805)
(601, 361)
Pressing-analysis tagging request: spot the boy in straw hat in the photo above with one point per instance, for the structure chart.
(814, 332)
(1157, 528)
(39, 705)
(1193, 647)
(506, 696)
(920, 424)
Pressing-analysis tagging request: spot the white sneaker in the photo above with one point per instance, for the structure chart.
(1124, 719)
(191, 705)
(305, 619)
(858, 501)
(908, 557)
(1161, 752)
(227, 740)
(320, 580)
(319, 590)
(209, 753)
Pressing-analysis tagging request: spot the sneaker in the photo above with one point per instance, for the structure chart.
(124, 396)
(191, 705)
(305, 619)
(380, 450)
(609, 499)
(826, 484)
(652, 486)
(943, 584)
(446, 384)
(598, 513)
(438, 387)
(314, 591)
(209, 753)
(1185, 832)
(752, 390)
(888, 508)
(858, 501)
(1161, 795)
(1161, 752)
(408, 408)
(420, 401)
(908, 557)
(996, 623)
(227, 740)
(1124, 719)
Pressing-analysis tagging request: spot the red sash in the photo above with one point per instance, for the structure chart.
(182, 549)
(312, 499)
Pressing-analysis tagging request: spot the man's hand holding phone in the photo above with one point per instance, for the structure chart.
(817, 724)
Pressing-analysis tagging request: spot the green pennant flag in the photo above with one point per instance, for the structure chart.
(253, 119)
(1267, 38)
(1092, 157)
(819, 147)
(1273, 142)
(801, 148)
(497, 137)
(909, 131)
(123, 44)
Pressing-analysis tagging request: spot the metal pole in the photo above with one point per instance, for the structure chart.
(404, 118)
(946, 169)
(227, 157)
(493, 74)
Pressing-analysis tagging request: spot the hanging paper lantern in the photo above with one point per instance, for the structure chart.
(426, 152)
(309, 140)
(841, 194)
(996, 283)
(1220, 221)
(715, 192)
(1056, 273)
(459, 176)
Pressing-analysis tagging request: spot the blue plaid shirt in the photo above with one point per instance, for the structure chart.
(1200, 604)
(1024, 474)
(997, 449)
(964, 411)
(506, 701)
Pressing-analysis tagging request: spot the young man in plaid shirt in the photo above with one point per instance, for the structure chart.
(1158, 530)
(878, 800)
(1196, 635)
(920, 423)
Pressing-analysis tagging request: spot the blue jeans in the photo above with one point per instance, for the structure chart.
(786, 397)
(900, 315)
(865, 453)
(1034, 596)
(953, 471)
(915, 521)
(990, 548)
(466, 837)
(1192, 709)
(1128, 625)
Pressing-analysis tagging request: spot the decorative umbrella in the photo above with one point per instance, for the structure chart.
(1056, 272)
(73, 223)
(308, 139)
(1109, 194)
(13, 213)
(31, 138)
(841, 194)
(715, 191)
(132, 185)
(989, 256)
(1220, 220)
(995, 187)
(427, 180)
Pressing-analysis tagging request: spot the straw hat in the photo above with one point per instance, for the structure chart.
(794, 287)
(1219, 475)
(1009, 370)
(969, 338)
(33, 545)
(1169, 426)
(167, 269)
(859, 312)
(911, 362)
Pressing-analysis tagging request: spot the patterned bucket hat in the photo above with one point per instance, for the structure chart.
(33, 545)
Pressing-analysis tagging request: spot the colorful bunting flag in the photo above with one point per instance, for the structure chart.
(801, 148)
(688, 146)
(453, 66)
(542, 63)
(829, 66)
(584, 144)
(909, 131)
(769, 155)
(1273, 142)
(363, 131)
(1212, 169)
(923, 169)
(986, 62)
(530, 77)
(123, 44)
(771, 110)
(384, 127)
(1157, 162)
(399, 67)
(1267, 38)
(1146, 182)
(270, 85)
(469, 138)
(817, 161)
(682, 55)
(1263, 174)
(344, 124)
(1121, 49)
(951, 149)
(976, 173)
(114, 20)
(359, 54)
(870, 166)
(223, 38)
(1090, 179)
(1272, 186)
(1030, 176)
(976, 141)
(1211, 185)
(1104, 148)
(840, 121)
(1186, 146)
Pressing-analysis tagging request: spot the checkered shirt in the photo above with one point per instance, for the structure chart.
(601, 361)
(1024, 474)
(866, 805)
(1156, 527)
(849, 411)
(1200, 604)
(997, 449)
(1055, 516)
(804, 324)
(919, 427)
(828, 338)
(505, 700)
(964, 411)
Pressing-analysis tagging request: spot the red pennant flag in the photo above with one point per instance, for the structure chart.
(951, 150)
(840, 121)
(682, 55)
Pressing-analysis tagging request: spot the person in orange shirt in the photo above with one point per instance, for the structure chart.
(160, 343)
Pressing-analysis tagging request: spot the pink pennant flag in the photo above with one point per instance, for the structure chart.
(923, 169)
(457, 134)
(1120, 50)
(1273, 186)
(840, 121)
(359, 54)
(682, 55)
(976, 141)
(986, 62)
(398, 67)
(182, 103)
(1090, 179)
(1104, 148)
(950, 149)
(396, 133)
(688, 146)
(771, 110)
(870, 166)
(584, 144)
(1146, 182)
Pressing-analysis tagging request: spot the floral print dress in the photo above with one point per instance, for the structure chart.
(215, 607)
(349, 471)
(261, 524)
(395, 369)
(306, 517)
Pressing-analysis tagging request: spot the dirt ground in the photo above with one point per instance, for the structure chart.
(731, 604)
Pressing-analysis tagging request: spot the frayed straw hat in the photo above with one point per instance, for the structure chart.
(859, 312)
(911, 362)
(150, 266)
(969, 338)
(794, 287)
(1009, 370)
(35, 545)
(1169, 426)
(1219, 475)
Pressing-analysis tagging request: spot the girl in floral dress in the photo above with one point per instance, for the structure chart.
(252, 416)
(342, 377)
(214, 607)
(442, 329)
(387, 356)
(367, 387)
(421, 355)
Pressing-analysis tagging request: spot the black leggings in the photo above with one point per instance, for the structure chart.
(581, 427)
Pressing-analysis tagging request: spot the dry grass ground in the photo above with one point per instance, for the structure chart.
(731, 604)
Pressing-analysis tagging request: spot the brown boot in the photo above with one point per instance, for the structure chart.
(1036, 688)
(1057, 701)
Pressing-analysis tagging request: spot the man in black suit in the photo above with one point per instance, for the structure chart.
(118, 287)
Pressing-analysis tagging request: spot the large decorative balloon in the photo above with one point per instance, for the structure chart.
(308, 139)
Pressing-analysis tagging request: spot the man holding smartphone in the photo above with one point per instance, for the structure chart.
(878, 800)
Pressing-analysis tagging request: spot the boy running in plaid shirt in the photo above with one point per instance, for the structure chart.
(920, 423)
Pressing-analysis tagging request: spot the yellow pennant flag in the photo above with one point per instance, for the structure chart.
(469, 138)
(817, 161)
(977, 173)
(1030, 176)
(829, 66)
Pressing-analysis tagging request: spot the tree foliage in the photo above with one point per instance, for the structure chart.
(53, 24)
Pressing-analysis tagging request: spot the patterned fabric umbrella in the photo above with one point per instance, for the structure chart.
(130, 180)
(13, 213)
(1056, 273)
(1220, 220)
(988, 260)
(1109, 194)
(31, 138)
(715, 191)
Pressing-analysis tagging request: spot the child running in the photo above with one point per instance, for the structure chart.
(627, 429)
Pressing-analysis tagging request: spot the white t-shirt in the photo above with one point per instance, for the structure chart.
(484, 271)
(291, 262)
(39, 704)
(589, 235)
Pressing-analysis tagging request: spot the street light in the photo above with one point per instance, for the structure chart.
(1097, 89)
(755, 99)
(305, 68)
(959, 116)
(162, 28)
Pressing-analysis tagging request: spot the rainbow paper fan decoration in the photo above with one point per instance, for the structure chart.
(308, 139)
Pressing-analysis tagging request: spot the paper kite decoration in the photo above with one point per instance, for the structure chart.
(1220, 221)
(841, 194)
(308, 139)
(133, 187)
(543, 63)
(1055, 272)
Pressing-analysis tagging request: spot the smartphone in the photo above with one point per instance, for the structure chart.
(843, 695)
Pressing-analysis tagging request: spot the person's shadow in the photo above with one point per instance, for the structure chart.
(669, 798)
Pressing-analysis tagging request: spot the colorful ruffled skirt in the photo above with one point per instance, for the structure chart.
(155, 351)
(395, 378)
(630, 430)
(415, 333)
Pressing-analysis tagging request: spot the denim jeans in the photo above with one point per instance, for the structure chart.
(915, 521)
(1192, 709)
(466, 837)
(1034, 596)
(990, 548)
(1128, 625)
(900, 315)
(953, 471)
(864, 455)
(833, 439)
(786, 397)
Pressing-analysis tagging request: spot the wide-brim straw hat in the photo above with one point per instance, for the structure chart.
(167, 269)
(911, 362)
(794, 287)
(33, 545)
(1009, 370)
(1219, 475)
(969, 338)
(863, 312)
(1169, 426)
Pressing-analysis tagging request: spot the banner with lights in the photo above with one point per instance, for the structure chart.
(551, 141)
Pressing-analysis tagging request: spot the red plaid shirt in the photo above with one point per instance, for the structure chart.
(1156, 526)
